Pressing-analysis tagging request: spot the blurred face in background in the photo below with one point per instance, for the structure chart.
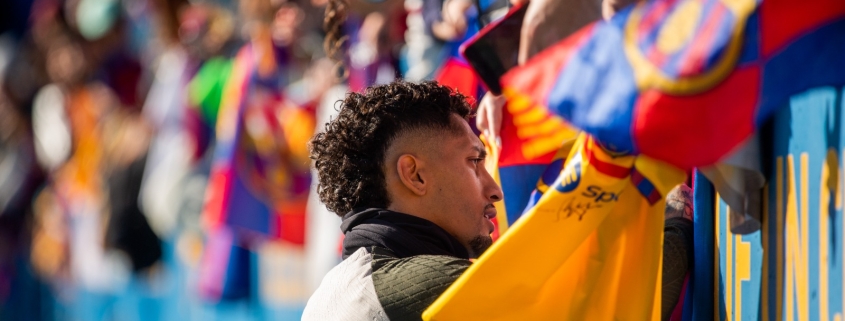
(65, 62)
(205, 29)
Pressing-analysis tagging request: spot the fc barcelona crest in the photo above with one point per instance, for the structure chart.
(684, 47)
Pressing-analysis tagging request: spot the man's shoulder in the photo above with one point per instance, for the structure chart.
(407, 286)
(346, 292)
(374, 284)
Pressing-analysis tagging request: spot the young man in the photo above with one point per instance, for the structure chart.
(402, 167)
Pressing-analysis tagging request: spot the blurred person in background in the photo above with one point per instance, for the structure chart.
(256, 199)
(364, 38)
(119, 104)
(89, 95)
(182, 106)
(20, 177)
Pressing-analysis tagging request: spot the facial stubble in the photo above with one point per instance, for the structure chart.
(479, 244)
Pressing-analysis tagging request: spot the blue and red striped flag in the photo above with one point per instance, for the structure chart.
(685, 81)
(260, 178)
(531, 154)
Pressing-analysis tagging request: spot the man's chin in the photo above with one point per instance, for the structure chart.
(479, 244)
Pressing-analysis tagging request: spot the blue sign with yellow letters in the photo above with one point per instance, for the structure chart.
(792, 269)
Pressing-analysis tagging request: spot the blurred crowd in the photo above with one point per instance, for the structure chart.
(137, 135)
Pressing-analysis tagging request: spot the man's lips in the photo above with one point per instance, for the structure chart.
(490, 212)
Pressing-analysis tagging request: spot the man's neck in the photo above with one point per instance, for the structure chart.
(409, 209)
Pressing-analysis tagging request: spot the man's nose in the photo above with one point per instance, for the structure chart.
(497, 194)
(491, 189)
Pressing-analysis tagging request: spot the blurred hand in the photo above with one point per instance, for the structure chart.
(366, 50)
(320, 78)
(546, 23)
(549, 21)
(489, 117)
(371, 28)
(453, 25)
(679, 202)
(285, 24)
(611, 7)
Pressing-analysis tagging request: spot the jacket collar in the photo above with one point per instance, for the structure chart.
(403, 234)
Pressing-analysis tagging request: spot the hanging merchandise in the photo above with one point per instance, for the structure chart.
(664, 78)
(260, 178)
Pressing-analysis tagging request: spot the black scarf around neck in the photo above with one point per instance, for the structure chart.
(405, 235)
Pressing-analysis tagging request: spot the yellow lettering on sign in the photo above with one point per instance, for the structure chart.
(839, 190)
(796, 242)
(738, 257)
(729, 266)
(779, 235)
(840, 196)
(828, 183)
(743, 271)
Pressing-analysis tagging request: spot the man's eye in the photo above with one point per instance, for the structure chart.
(477, 160)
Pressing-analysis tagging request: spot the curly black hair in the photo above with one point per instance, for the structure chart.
(349, 154)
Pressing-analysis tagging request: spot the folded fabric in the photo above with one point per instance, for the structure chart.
(589, 250)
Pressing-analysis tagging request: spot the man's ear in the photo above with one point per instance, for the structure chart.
(411, 173)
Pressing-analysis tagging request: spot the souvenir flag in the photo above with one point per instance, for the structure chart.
(531, 137)
(205, 91)
(226, 268)
(589, 250)
(686, 81)
(227, 189)
(259, 179)
(457, 73)
(550, 174)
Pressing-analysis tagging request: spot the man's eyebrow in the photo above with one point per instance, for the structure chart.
(482, 153)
